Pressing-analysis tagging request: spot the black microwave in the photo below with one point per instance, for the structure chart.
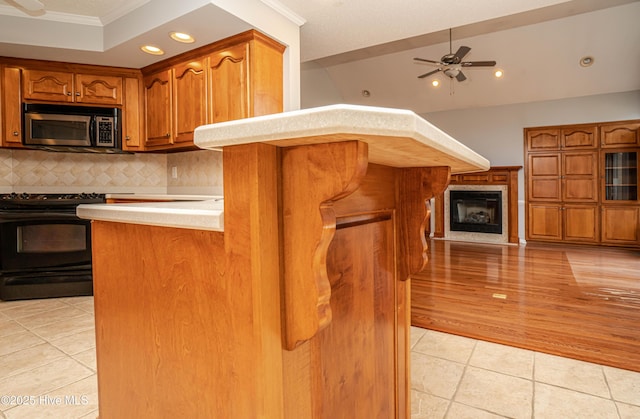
(71, 128)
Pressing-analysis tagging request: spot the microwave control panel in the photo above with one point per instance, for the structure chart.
(105, 131)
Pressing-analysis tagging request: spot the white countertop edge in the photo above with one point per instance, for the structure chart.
(334, 119)
(198, 215)
(163, 197)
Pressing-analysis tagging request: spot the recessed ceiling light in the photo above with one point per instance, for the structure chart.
(150, 49)
(182, 37)
(498, 73)
(586, 61)
(366, 93)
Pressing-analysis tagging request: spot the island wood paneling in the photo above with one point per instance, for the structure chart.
(299, 309)
(580, 302)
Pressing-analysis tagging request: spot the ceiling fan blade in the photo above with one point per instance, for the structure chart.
(429, 73)
(31, 5)
(427, 61)
(478, 63)
(460, 53)
(460, 76)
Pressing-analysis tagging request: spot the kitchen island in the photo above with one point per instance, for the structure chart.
(293, 299)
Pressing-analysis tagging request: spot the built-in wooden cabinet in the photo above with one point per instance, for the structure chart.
(232, 79)
(11, 104)
(176, 103)
(229, 67)
(158, 104)
(34, 81)
(132, 121)
(582, 183)
(620, 134)
(162, 104)
(59, 86)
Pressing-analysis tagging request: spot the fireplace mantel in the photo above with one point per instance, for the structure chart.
(497, 175)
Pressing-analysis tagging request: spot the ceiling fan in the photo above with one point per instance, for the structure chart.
(452, 64)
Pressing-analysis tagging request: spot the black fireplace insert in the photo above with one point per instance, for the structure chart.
(475, 211)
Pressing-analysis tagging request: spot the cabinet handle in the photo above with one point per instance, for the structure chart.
(167, 135)
(77, 93)
(68, 93)
(127, 138)
(16, 133)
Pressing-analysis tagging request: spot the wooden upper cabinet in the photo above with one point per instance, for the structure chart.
(229, 84)
(132, 125)
(543, 139)
(47, 85)
(620, 135)
(158, 101)
(94, 89)
(580, 137)
(11, 104)
(189, 99)
(237, 77)
(59, 86)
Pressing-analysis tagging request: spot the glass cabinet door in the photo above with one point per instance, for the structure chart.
(621, 175)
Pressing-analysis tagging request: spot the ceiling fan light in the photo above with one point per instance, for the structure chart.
(498, 73)
(452, 72)
(435, 82)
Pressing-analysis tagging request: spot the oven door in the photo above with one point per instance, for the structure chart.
(37, 240)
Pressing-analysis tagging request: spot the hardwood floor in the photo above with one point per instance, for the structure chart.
(581, 302)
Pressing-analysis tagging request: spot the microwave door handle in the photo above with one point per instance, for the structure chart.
(92, 130)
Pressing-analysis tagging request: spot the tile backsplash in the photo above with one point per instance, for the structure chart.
(32, 171)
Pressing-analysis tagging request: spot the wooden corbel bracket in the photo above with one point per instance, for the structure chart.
(313, 177)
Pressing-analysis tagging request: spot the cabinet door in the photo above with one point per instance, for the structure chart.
(621, 225)
(105, 90)
(620, 135)
(543, 139)
(158, 104)
(229, 84)
(581, 223)
(621, 178)
(580, 176)
(544, 222)
(580, 137)
(11, 108)
(190, 99)
(543, 180)
(132, 123)
(47, 85)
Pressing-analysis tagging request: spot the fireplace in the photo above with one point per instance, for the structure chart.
(475, 211)
(503, 179)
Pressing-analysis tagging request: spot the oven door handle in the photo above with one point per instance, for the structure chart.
(10, 216)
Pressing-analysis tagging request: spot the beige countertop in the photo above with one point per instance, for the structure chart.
(396, 138)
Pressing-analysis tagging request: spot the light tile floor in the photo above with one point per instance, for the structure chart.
(48, 364)
(458, 377)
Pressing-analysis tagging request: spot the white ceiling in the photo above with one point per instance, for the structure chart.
(369, 44)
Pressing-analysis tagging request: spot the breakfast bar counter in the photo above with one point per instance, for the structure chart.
(297, 305)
